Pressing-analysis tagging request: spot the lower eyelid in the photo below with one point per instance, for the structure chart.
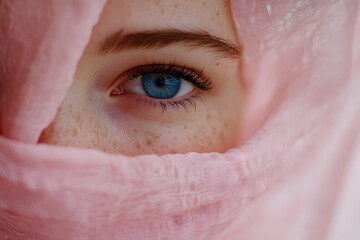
(185, 102)
(144, 102)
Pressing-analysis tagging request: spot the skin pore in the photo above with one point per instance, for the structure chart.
(108, 107)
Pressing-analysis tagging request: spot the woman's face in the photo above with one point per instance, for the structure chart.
(156, 77)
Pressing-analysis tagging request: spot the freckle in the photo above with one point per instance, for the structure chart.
(78, 119)
(135, 131)
(225, 124)
(157, 3)
(222, 137)
(105, 134)
(208, 117)
(137, 145)
(217, 64)
(175, 138)
(176, 6)
(148, 142)
(204, 3)
(185, 127)
(74, 132)
(212, 19)
(162, 11)
(217, 14)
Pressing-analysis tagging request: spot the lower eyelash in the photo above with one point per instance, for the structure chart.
(174, 104)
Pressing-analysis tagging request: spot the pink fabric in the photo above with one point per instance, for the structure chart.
(295, 177)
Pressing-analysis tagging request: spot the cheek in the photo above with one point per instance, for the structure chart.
(209, 130)
(214, 130)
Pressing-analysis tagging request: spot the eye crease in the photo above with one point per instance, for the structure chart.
(171, 85)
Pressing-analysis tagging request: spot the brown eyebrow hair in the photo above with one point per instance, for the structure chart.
(161, 38)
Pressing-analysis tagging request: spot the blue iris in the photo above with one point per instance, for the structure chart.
(160, 85)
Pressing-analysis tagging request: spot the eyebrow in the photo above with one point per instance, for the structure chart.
(156, 39)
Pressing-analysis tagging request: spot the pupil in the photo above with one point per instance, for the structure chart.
(160, 82)
(160, 85)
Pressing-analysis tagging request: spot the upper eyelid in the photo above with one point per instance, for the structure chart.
(198, 78)
(172, 67)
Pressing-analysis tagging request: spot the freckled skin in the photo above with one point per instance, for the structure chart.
(89, 118)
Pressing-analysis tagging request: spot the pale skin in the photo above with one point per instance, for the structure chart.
(131, 123)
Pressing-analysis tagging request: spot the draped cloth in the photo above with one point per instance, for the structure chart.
(294, 175)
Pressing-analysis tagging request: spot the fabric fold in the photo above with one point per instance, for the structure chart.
(294, 176)
(39, 55)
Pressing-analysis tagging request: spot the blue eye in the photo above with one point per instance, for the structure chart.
(164, 85)
(160, 85)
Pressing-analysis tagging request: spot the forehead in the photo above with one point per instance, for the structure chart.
(141, 15)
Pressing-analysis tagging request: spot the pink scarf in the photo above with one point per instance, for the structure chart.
(295, 177)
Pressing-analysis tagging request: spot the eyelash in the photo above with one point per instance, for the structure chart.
(188, 74)
(174, 104)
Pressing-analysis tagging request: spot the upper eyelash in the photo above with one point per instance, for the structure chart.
(186, 73)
